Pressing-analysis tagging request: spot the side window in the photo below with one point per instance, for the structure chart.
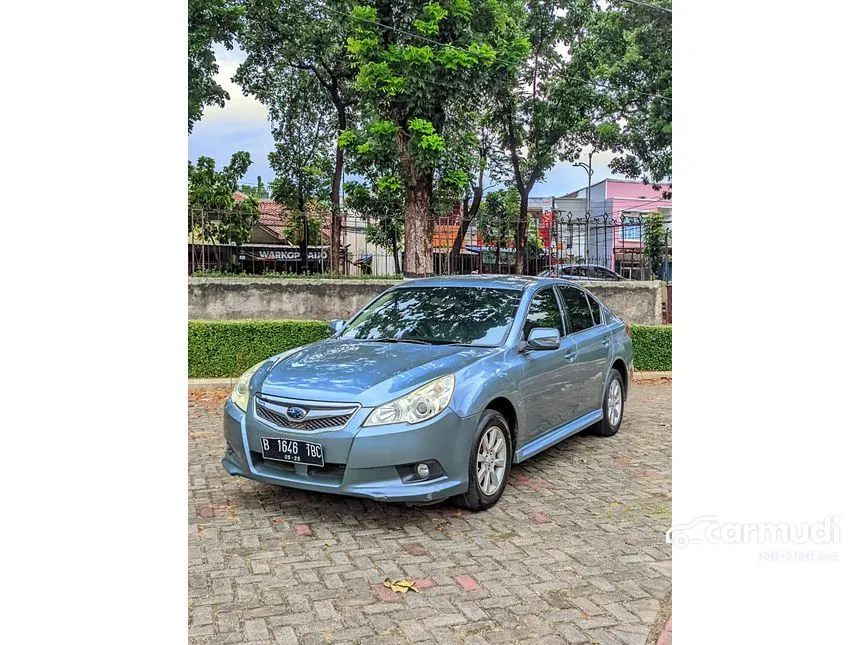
(578, 309)
(595, 310)
(543, 312)
(603, 274)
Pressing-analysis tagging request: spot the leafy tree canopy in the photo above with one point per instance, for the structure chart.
(305, 133)
(421, 67)
(641, 41)
(209, 22)
(212, 211)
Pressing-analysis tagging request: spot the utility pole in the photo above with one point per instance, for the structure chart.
(590, 172)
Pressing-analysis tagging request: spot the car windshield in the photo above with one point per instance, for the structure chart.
(438, 315)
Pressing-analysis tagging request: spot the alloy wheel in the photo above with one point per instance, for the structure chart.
(614, 402)
(492, 460)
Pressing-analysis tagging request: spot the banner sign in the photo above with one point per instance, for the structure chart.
(283, 254)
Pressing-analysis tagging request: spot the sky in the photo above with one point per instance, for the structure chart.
(242, 124)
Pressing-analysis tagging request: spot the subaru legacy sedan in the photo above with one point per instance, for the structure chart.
(433, 390)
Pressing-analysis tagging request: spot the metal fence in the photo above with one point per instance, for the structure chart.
(374, 247)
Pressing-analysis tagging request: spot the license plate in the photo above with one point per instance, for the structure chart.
(292, 451)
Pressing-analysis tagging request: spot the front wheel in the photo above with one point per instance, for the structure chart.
(489, 463)
(613, 406)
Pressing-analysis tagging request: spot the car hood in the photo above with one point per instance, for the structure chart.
(366, 372)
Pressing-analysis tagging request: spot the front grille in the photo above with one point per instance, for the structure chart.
(318, 416)
(314, 424)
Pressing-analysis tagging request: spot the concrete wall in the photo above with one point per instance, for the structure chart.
(637, 302)
(244, 298)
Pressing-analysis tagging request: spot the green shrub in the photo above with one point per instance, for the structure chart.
(652, 347)
(220, 348)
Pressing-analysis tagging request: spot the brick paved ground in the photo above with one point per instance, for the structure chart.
(573, 553)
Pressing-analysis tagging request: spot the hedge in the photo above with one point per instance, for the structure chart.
(220, 348)
(226, 348)
(652, 347)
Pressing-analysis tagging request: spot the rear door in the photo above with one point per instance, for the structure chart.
(585, 326)
(545, 372)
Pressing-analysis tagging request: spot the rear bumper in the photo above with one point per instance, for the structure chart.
(360, 462)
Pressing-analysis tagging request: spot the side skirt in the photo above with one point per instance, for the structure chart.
(552, 437)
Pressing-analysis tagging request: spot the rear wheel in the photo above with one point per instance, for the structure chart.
(489, 463)
(613, 406)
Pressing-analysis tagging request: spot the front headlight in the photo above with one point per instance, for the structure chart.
(242, 390)
(419, 405)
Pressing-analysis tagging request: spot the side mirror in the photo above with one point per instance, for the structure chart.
(543, 338)
(336, 325)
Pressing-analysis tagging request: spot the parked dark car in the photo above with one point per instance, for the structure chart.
(581, 272)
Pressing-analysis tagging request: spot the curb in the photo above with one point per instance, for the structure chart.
(651, 376)
(195, 383)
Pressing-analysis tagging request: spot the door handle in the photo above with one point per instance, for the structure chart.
(605, 342)
(570, 355)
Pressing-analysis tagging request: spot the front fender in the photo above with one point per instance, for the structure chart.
(496, 376)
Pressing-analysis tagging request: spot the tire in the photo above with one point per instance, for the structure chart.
(613, 406)
(483, 490)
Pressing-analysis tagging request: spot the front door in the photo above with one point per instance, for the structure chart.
(592, 338)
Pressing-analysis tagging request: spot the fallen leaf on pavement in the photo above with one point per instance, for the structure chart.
(400, 586)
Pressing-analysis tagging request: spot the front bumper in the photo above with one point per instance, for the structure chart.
(359, 461)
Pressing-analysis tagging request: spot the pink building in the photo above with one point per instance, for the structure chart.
(612, 235)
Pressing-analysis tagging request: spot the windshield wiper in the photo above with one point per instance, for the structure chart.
(398, 340)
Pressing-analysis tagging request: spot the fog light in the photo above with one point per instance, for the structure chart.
(420, 471)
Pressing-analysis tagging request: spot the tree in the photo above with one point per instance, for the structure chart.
(209, 22)
(482, 148)
(303, 139)
(212, 211)
(381, 206)
(642, 43)
(655, 240)
(497, 220)
(285, 39)
(418, 65)
(257, 191)
(554, 102)
(299, 225)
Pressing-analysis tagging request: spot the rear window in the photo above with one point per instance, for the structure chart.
(595, 309)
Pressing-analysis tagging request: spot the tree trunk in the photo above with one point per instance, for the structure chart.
(396, 253)
(522, 234)
(418, 236)
(468, 215)
(454, 251)
(303, 239)
(336, 217)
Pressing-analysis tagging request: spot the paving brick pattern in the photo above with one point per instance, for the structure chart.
(573, 553)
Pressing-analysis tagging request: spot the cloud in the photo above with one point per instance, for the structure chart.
(565, 178)
(240, 108)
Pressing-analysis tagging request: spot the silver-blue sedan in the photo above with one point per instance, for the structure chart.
(433, 390)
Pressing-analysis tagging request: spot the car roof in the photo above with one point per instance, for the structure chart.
(515, 282)
(582, 265)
